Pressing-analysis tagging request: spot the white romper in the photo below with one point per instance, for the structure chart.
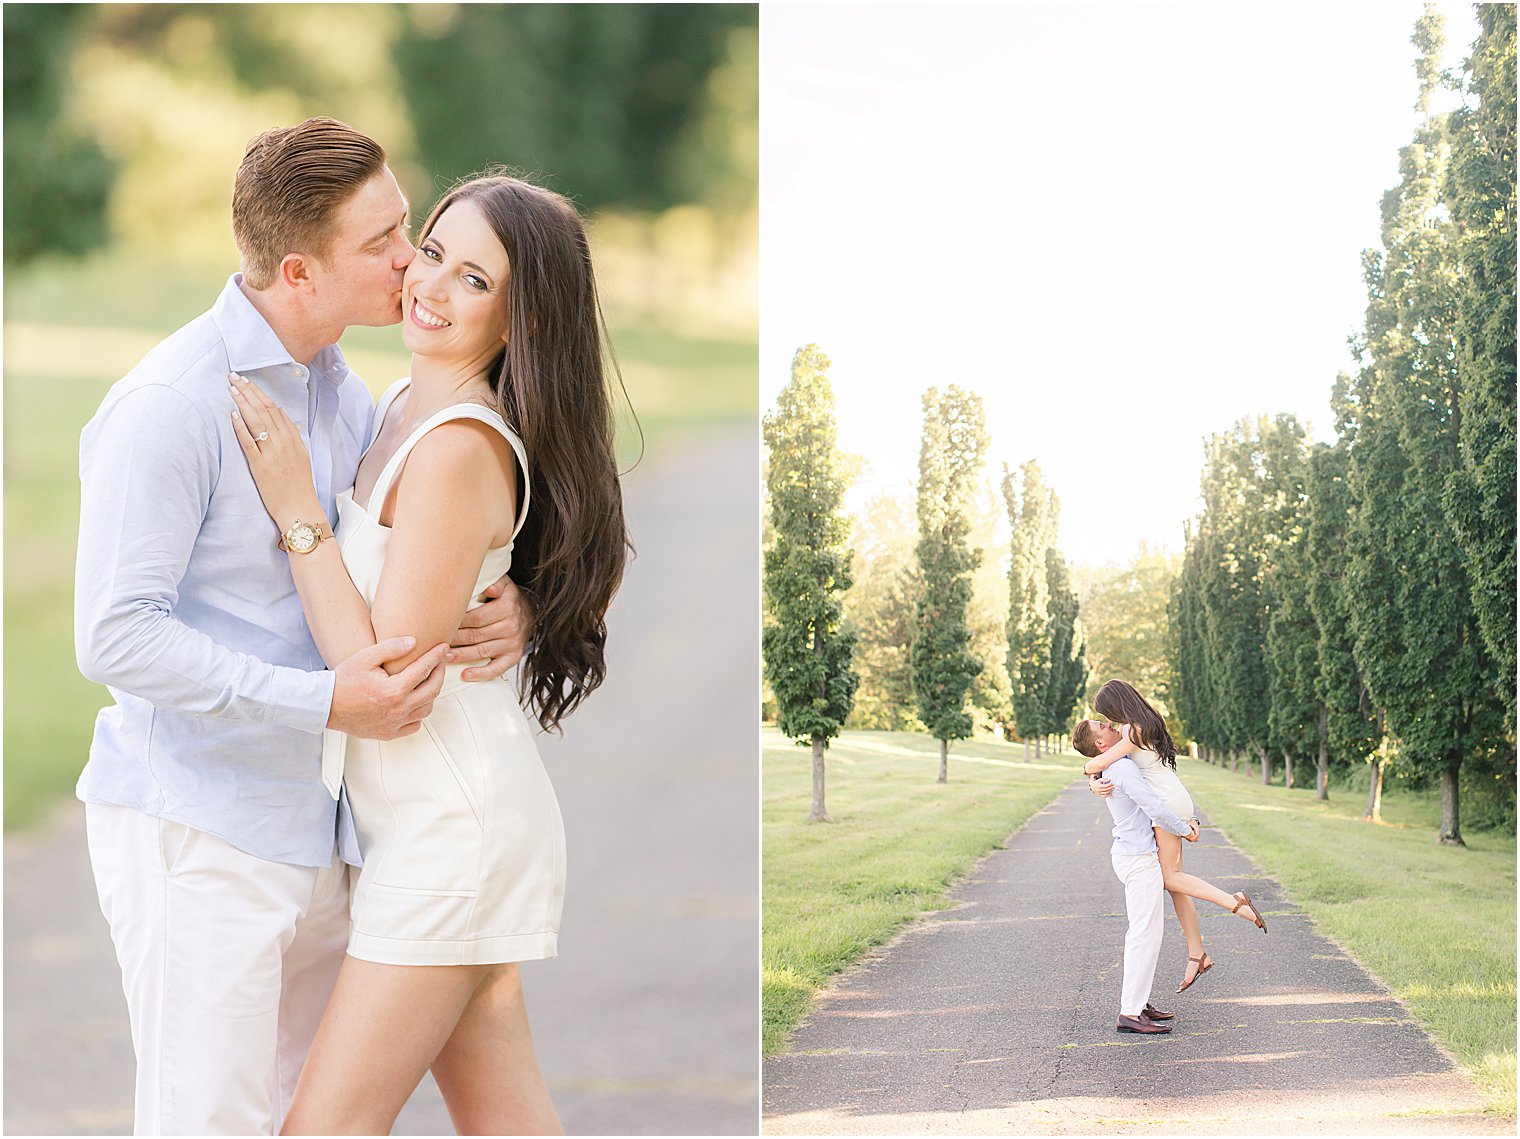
(458, 826)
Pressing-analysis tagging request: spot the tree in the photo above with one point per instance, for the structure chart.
(1068, 653)
(1347, 731)
(605, 99)
(807, 652)
(950, 458)
(1480, 191)
(1031, 520)
(1417, 639)
(880, 608)
(57, 178)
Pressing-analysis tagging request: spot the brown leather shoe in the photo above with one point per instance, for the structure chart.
(1153, 1013)
(1141, 1024)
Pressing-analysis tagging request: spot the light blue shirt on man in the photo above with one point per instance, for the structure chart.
(1136, 809)
(183, 603)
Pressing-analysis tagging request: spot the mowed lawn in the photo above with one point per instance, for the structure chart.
(69, 335)
(898, 839)
(1436, 924)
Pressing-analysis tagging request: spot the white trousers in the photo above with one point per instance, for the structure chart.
(1143, 894)
(227, 961)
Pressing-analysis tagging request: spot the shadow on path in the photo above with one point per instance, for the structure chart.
(647, 1021)
(997, 1017)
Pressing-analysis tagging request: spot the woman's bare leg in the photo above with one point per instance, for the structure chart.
(487, 1071)
(384, 1025)
(1169, 850)
(1176, 882)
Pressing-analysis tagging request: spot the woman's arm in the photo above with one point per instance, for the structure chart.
(1119, 750)
(452, 506)
(444, 521)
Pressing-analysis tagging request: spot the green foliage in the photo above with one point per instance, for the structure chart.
(1351, 730)
(1411, 613)
(1480, 191)
(1128, 631)
(950, 458)
(1068, 653)
(880, 608)
(1252, 490)
(807, 653)
(1032, 515)
(606, 100)
(57, 178)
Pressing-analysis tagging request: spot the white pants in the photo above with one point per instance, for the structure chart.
(227, 961)
(1143, 894)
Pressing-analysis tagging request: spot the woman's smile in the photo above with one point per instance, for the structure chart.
(426, 317)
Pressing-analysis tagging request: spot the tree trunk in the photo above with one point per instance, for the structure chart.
(1234, 760)
(1026, 751)
(818, 814)
(1322, 783)
(1288, 769)
(1374, 811)
(944, 762)
(1451, 807)
(1266, 765)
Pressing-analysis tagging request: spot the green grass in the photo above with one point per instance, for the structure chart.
(1436, 924)
(831, 891)
(73, 329)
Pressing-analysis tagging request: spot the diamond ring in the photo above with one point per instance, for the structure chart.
(262, 436)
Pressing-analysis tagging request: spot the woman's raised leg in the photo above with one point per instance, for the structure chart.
(488, 1072)
(384, 1026)
(1179, 883)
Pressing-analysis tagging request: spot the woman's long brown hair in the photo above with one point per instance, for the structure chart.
(551, 387)
(1117, 700)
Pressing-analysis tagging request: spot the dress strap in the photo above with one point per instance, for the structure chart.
(378, 496)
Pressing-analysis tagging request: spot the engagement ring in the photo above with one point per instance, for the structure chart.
(262, 436)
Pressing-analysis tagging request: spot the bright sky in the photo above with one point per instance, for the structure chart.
(1125, 226)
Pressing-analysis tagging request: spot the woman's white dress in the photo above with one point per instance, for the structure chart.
(1163, 780)
(458, 826)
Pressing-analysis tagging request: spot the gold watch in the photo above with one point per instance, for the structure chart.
(304, 537)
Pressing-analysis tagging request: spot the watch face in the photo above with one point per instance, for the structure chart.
(302, 537)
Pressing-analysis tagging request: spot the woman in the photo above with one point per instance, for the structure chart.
(1142, 735)
(461, 836)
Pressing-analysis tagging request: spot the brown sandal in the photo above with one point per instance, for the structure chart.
(1202, 969)
(1244, 899)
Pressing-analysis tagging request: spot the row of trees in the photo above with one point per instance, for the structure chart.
(935, 659)
(1355, 601)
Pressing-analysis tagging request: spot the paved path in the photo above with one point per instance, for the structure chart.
(997, 1017)
(647, 1021)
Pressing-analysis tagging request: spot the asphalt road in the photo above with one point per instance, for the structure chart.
(998, 1017)
(647, 1022)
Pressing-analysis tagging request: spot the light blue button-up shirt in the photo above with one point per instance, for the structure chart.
(183, 603)
(1136, 808)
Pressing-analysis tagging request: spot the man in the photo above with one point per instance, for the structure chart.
(1136, 809)
(219, 856)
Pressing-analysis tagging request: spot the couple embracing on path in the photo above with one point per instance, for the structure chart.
(1132, 763)
(321, 841)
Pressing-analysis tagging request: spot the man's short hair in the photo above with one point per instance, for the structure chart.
(1082, 739)
(288, 187)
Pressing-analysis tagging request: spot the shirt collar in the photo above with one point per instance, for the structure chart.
(252, 344)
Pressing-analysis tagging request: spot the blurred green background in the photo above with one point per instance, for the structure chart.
(124, 124)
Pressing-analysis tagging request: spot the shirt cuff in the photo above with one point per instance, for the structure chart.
(301, 699)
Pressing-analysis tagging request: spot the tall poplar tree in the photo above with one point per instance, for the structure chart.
(807, 651)
(1068, 653)
(1347, 730)
(1031, 522)
(1417, 638)
(950, 460)
(1480, 190)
